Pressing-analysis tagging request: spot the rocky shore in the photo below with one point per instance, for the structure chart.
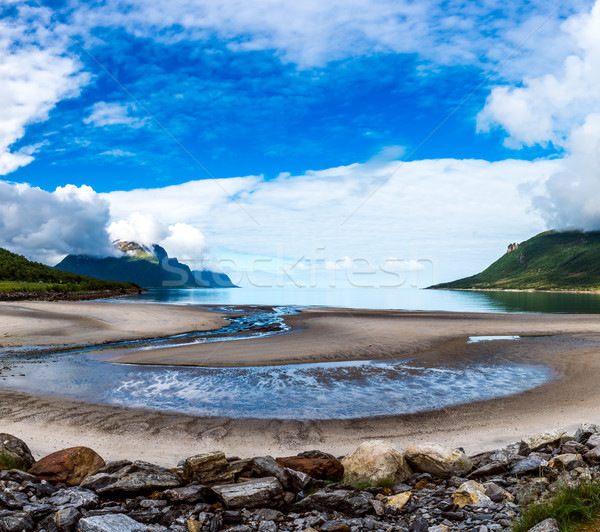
(44, 295)
(427, 487)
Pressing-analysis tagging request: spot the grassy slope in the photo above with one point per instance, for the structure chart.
(549, 261)
(17, 274)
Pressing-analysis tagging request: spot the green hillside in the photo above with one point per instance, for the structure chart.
(18, 274)
(553, 260)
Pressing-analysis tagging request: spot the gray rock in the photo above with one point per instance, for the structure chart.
(267, 514)
(255, 493)
(349, 502)
(548, 525)
(593, 455)
(14, 453)
(335, 526)
(75, 497)
(110, 523)
(37, 510)
(191, 494)
(16, 522)
(531, 464)
(13, 500)
(132, 478)
(585, 430)
(267, 526)
(66, 519)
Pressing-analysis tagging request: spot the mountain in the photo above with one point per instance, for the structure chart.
(148, 267)
(554, 260)
(20, 275)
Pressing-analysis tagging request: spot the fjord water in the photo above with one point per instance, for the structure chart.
(381, 298)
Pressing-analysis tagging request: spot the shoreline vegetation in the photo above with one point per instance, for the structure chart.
(58, 292)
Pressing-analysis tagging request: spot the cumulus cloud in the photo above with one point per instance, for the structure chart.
(45, 226)
(180, 240)
(562, 107)
(35, 73)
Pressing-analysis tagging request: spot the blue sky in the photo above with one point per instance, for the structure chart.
(125, 100)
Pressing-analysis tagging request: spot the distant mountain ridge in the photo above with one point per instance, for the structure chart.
(554, 260)
(147, 267)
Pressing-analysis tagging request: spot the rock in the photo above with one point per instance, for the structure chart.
(585, 430)
(69, 466)
(548, 525)
(438, 460)
(319, 468)
(131, 478)
(538, 441)
(532, 464)
(349, 502)
(593, 440)
(496, 493)
(194, 526)
(593, 456)
(252, 494)
(207, 468)
(16, 522)
(267, 526)
(14, 453)
(375, 460)
(110, 523)
(66, 519)
(316, 454)
(398, 501)
(267, 466)
(335, 526)
(190, 494)
(532, 491)
(566, 462)
(493, 468)
(471, 493)
(75, 497)
(420, 525)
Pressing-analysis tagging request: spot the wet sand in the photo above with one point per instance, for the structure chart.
(40, 323)
(49, 423)
(327, 335)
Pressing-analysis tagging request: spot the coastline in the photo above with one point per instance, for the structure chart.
(526, 290)
(43, 295)
(52, 423)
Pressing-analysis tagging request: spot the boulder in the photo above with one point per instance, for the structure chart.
(191, 494)
(14, 453)
(547, 525)
(398, 501)
(110, 523)
(538, 441)
(69, 466)
(267, 466)
(375, 460)
(319, 468)
(260, 492)
(497, 493)
(438, 460)
(126, 478)
(471, 493)
(207, 468)
(350, 502)
(66, 519)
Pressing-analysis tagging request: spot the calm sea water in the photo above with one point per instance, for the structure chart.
(380, 298)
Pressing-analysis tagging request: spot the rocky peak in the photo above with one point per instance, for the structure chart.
(512, 247)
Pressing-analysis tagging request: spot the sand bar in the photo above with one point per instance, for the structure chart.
(326, 335)
(76, 322)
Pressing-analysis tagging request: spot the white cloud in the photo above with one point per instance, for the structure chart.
(35, 73)
(560, 107)
(104, 114)
(313, 33)
(455, 213)
(45, 226)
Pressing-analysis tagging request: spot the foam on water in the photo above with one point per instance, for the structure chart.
(476, 339)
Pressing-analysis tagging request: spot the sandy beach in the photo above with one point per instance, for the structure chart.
(40, 323)
(51, 423)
